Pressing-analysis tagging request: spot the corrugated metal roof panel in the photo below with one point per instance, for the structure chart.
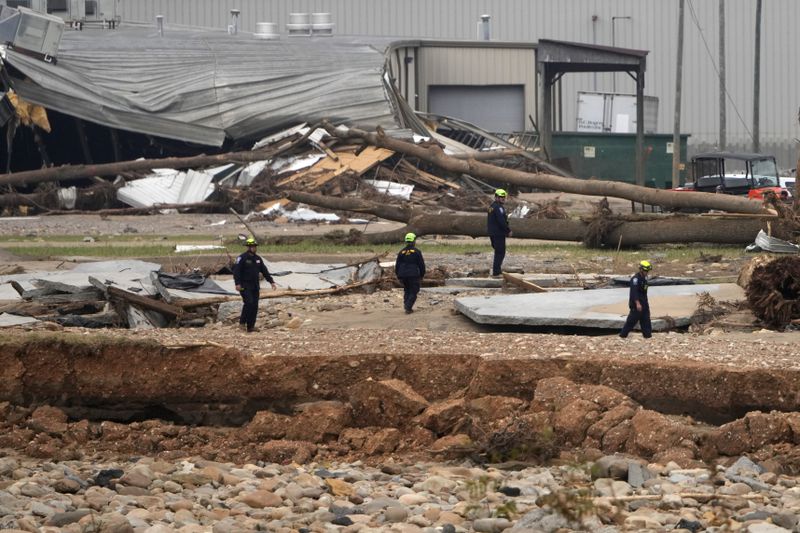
(200, 86)
(167, 187)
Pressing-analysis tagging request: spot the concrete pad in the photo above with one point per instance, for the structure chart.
(8, 320)
(8, 293)
(598, 308)
(480, 283)
(454, 290)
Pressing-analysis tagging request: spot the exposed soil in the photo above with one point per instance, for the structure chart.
(211, 381)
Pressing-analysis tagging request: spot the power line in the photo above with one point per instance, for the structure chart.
(716, 69)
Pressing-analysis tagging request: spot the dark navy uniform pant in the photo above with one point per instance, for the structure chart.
(643, 318)
(499, 245)
(410, 290)
(250, 308)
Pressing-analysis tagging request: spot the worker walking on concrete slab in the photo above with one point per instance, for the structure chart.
(246, 273)
(638, 304)
(410, 269)
(498, 229)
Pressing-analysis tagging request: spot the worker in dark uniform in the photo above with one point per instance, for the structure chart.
(410, 269)
(498, 229)
(638, 304)
(246, 271)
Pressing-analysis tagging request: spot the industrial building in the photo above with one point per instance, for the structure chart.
(650, 25)
(495, 84)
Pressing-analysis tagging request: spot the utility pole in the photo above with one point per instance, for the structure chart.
(757, 81)
(676, 131)
(614, 44)
(722, 91)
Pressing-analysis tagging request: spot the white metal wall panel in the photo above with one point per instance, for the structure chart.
(478, 66)
(652, 26)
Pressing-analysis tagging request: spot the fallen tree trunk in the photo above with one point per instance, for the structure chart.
(664, 198)
(73, 172)
(666, 229)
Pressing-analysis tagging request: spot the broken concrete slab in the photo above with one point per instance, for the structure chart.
(482, 283)
(597, 308)
(454, 290)
(8, 320)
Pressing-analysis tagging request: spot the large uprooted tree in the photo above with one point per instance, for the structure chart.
(603, 228)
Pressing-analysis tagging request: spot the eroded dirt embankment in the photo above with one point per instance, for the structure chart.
(66, 393)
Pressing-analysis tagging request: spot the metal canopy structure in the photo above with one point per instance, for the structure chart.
(556, 58)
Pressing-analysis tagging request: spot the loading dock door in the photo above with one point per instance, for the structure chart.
(496, 108)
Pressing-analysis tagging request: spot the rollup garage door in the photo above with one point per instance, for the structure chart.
(496, 108)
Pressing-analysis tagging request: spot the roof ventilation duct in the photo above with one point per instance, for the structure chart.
(266, 30)
(484, 28)
(34, 33)
(160, 25)
(299, 25)
(233, 29)
(321, 24)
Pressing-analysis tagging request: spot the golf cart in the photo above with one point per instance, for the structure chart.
(743, 174)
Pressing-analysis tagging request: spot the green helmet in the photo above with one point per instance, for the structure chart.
(251, 242)
(501, 193)
(645, 265)
(411, 237)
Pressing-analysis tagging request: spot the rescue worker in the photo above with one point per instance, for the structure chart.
(410, 269)
(498, 229)
(246, 271)
(638, 304)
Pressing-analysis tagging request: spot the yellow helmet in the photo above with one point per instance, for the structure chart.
(251, 242)
(411, 237)
(645, 265)
(501, 193)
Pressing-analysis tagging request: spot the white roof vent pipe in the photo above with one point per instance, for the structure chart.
(233, 29)
(484, 28)
(160, 25)
(299, 25)
(266, 30)
(321, 24)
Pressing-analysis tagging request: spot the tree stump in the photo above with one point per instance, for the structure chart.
(772, 286)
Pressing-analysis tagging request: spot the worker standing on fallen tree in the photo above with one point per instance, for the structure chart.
(410, 269)
(246, 273)
(638, 304)
(498, 228)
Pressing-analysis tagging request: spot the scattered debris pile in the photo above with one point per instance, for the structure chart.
(772, 285)
(138, 295)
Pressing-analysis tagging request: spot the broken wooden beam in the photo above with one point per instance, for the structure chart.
(525, 285)
(145, 302)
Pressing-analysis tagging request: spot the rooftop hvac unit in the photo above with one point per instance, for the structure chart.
(35, 33)
(266, 30)
(321, 24)
(299, 24)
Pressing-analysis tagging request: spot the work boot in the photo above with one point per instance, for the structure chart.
(252, 330)
(409, 311)
(242, 327)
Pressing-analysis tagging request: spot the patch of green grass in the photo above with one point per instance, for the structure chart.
(43, 252)
(154, 247)
(128, 237)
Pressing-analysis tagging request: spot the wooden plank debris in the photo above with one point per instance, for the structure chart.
(145, 302)
(327, 169)
(525, 285)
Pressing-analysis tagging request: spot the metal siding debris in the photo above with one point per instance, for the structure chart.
(203, 86)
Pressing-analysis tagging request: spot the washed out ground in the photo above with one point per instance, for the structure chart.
(364, 325)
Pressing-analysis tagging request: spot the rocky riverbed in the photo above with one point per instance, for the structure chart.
(613, 493)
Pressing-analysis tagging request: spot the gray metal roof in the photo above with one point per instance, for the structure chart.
(203, 85)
